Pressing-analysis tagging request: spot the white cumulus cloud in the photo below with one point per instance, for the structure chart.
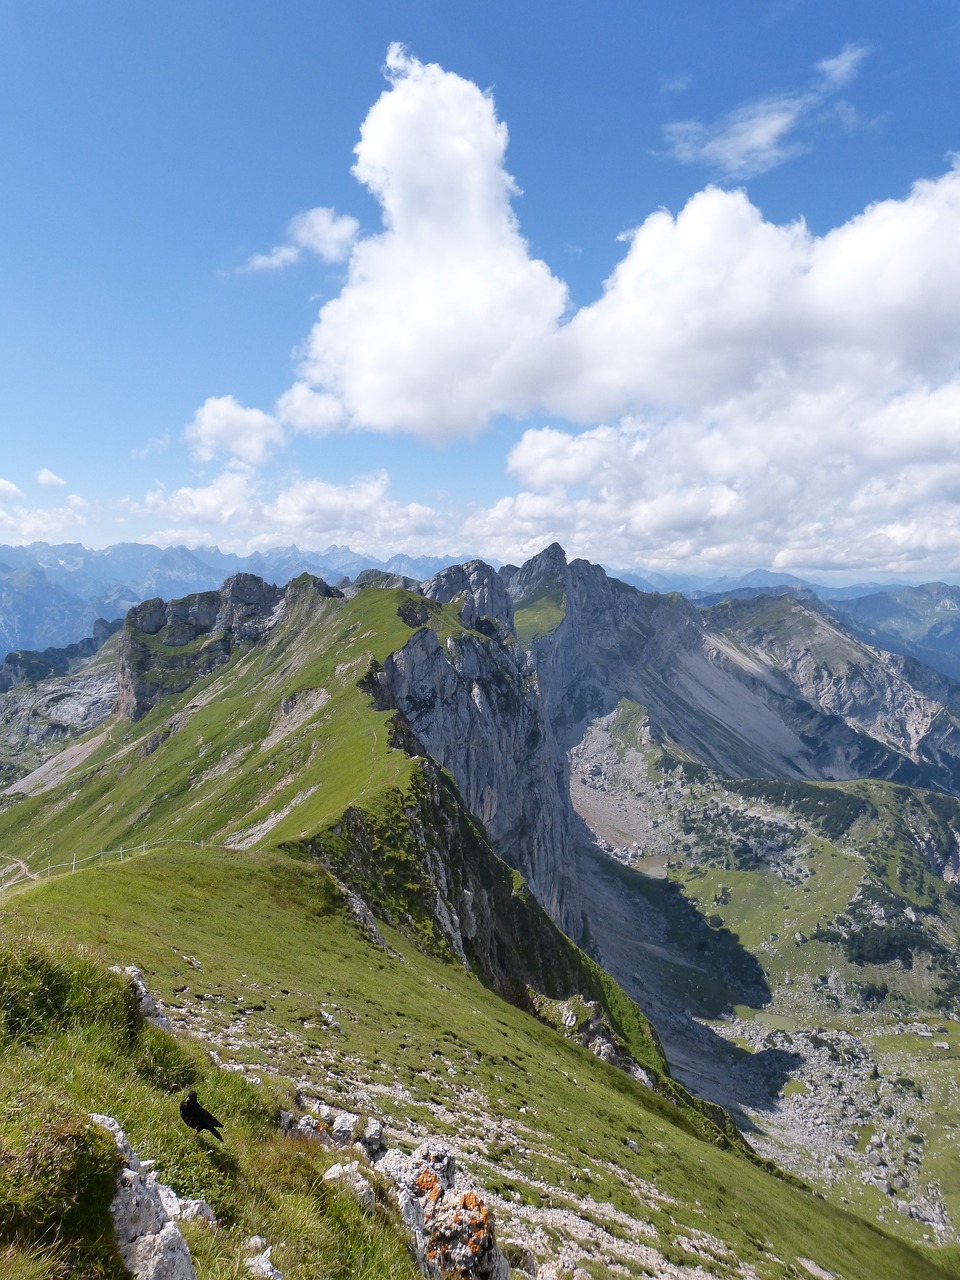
(442, 315)
(764, 395)
(48, 477)
(310, 511)
(223, 426)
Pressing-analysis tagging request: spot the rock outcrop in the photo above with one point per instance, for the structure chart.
(151, 1009)
(41, 711)
(485, 602)
(474, 704)
(150, 1243)
(166, 646)
(451, 1226)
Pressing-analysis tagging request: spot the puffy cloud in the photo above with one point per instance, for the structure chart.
(48, 477)
(222, 426)
(20, 523)
(758, 136)
(312, 412)
(769, 396)
(446, 320)
(442, 315)
(227, 508)
(718, 302)
(311, 511)
(361, 512)
(812, 481)
(321, 231)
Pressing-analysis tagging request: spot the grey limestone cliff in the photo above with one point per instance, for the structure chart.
(475, 705)
(762, 688)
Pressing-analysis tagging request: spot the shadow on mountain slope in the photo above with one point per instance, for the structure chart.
(679, 969)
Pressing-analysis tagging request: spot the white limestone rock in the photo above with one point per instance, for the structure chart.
(150, 1243)
(259, 1265)
(150, 1007)
(349, 1175)
(450, 1223)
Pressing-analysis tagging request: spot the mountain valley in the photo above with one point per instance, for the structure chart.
(544, 864)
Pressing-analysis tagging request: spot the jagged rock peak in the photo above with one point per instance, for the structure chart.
(243, 604)
(482, 589)
(547, 568)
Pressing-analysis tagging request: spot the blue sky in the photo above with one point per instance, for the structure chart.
(676, 285)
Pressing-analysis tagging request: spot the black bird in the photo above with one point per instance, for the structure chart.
(198, 1117)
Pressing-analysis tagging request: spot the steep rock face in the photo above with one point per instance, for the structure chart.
(166, 646)
(766, 687)
(901, 715)
(41, 711)
(476, 708)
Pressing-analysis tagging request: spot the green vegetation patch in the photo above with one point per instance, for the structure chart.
(78, 1052)
(540, 613)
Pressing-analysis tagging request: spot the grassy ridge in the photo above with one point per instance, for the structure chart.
(280, 727)
(265, 943)
(72, 1043)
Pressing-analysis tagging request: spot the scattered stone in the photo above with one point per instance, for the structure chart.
(150, 1007)
(349, 1175)
(259, 1264)
(343, 1127)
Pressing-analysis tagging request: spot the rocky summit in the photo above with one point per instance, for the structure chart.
(626, 928)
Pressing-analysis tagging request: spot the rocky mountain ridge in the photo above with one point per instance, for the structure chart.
(51, 595)
(751, 688)
(773, 690)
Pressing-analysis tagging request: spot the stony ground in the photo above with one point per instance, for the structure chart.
(555, 1240)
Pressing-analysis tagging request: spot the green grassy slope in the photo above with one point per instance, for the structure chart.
(282, 747)
(250, 950)
(282, 729)
(73, 1043)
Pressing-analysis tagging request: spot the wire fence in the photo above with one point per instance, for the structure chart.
(17, 874)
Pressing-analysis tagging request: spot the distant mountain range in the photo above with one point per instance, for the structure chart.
(52, 595)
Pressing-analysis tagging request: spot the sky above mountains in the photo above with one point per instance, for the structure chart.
(677, 286)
